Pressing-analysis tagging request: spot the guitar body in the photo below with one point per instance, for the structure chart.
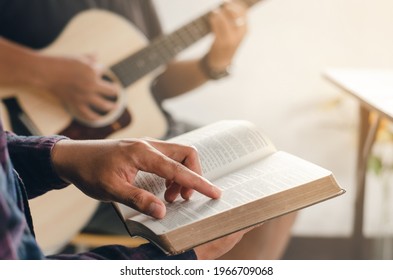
(111, 38)
(59, 215)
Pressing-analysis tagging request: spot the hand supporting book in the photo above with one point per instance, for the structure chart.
(258, 183)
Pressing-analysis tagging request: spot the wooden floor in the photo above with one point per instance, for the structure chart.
(302, 248)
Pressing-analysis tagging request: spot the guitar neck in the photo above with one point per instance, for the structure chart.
(163, 49)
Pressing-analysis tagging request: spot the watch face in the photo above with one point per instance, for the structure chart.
(215, 75)
(211, 73)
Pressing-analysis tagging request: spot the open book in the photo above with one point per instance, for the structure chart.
(258, 183)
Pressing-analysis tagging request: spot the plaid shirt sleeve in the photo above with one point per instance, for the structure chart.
(31, 158)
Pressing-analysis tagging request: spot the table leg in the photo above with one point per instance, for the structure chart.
(366, 138)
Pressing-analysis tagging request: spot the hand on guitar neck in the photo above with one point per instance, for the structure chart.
(228, 24)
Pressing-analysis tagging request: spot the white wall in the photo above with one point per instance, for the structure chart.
(277, 82)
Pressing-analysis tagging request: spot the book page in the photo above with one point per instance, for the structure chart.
(276, 173)
(226, 146)
(223, 147)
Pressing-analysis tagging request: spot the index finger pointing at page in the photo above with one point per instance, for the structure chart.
(182, 163)
(189, 179)
(183, 176)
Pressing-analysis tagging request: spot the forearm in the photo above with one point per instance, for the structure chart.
(19, 65)
(179, 77)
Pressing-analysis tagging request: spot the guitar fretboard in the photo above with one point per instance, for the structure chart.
(163, 49)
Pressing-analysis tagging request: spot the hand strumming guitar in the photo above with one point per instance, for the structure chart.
(76, 81)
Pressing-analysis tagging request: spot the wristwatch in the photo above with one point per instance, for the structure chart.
(211, 73)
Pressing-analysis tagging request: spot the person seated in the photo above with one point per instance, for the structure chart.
(56, 74)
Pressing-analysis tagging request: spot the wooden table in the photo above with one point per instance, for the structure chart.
(373, 88)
